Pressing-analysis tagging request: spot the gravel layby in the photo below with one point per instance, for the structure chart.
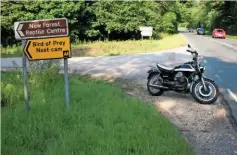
(206, 127)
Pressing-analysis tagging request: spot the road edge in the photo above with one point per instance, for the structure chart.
(227, 104)
(225, 99)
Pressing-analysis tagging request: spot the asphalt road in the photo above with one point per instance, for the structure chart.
(220, 58)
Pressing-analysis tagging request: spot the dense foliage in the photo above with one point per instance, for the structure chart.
(212, 14)
(120, 20)
(93, 20)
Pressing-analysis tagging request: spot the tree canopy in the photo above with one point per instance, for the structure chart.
(120, 20)
(214, 14)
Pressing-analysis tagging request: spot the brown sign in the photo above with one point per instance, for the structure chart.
(41, 28)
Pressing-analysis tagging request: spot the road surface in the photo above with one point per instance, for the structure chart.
(220, 57)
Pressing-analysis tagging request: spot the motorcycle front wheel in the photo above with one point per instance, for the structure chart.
(203, 96)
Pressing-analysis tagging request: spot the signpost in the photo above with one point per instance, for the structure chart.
(47, 48)
(146, 31)
(50, 48)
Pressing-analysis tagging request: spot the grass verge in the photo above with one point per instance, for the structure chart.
(101, 120)
(128, 47)
(110, 48)
(11, 51)
(232, 36)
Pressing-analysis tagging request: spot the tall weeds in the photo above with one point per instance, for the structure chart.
(41, 73)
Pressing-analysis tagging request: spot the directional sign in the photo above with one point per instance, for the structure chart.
(41, 28)
(50, 48)
(146, 31)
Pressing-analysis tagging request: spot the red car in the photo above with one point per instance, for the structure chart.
(218, 33)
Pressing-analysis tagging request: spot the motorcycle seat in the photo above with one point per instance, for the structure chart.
(164, 68)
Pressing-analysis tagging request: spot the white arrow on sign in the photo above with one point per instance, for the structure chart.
(18, 32)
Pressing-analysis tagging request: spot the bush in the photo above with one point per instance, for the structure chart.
(183, 24)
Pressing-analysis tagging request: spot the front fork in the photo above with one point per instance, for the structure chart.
(203, 82)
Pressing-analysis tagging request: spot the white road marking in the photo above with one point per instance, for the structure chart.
(232, 94)
(219, 78)
(228, 90)
(211, 39)
(231, 46)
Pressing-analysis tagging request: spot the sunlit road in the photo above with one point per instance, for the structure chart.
(220, 58)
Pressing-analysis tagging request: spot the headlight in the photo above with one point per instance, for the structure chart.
(202, 69)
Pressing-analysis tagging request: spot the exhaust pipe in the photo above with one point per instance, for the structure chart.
(158, 86)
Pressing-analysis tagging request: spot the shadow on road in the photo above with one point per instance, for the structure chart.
(224, 73)
(136, 66)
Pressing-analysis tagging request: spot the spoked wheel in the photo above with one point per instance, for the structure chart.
(154, 79)
(203, 96)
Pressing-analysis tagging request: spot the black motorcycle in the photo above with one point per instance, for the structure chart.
(185, 78)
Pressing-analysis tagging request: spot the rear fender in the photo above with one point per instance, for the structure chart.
(152, 71)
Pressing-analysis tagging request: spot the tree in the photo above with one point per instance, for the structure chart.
(94, 20)
(169, 22)
(215, 14)
(122, 19)
(12, 11)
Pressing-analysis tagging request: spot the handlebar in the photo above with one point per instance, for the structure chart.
(192, 51)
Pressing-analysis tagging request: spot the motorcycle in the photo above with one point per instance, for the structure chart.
(185, 78)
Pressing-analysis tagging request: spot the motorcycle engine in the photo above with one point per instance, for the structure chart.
(179, 77)
(181, 80)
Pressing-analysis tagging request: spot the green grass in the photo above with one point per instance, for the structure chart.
(110, 48)
(102, 120)
(232, 36)
(128, 47)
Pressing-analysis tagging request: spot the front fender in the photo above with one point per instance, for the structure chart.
(199, 79)
(204, 77)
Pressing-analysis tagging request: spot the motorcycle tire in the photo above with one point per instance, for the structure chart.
(149, 88)
(208, 82)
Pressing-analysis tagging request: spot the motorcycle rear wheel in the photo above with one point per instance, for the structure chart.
(154, 79)
(205, 97)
